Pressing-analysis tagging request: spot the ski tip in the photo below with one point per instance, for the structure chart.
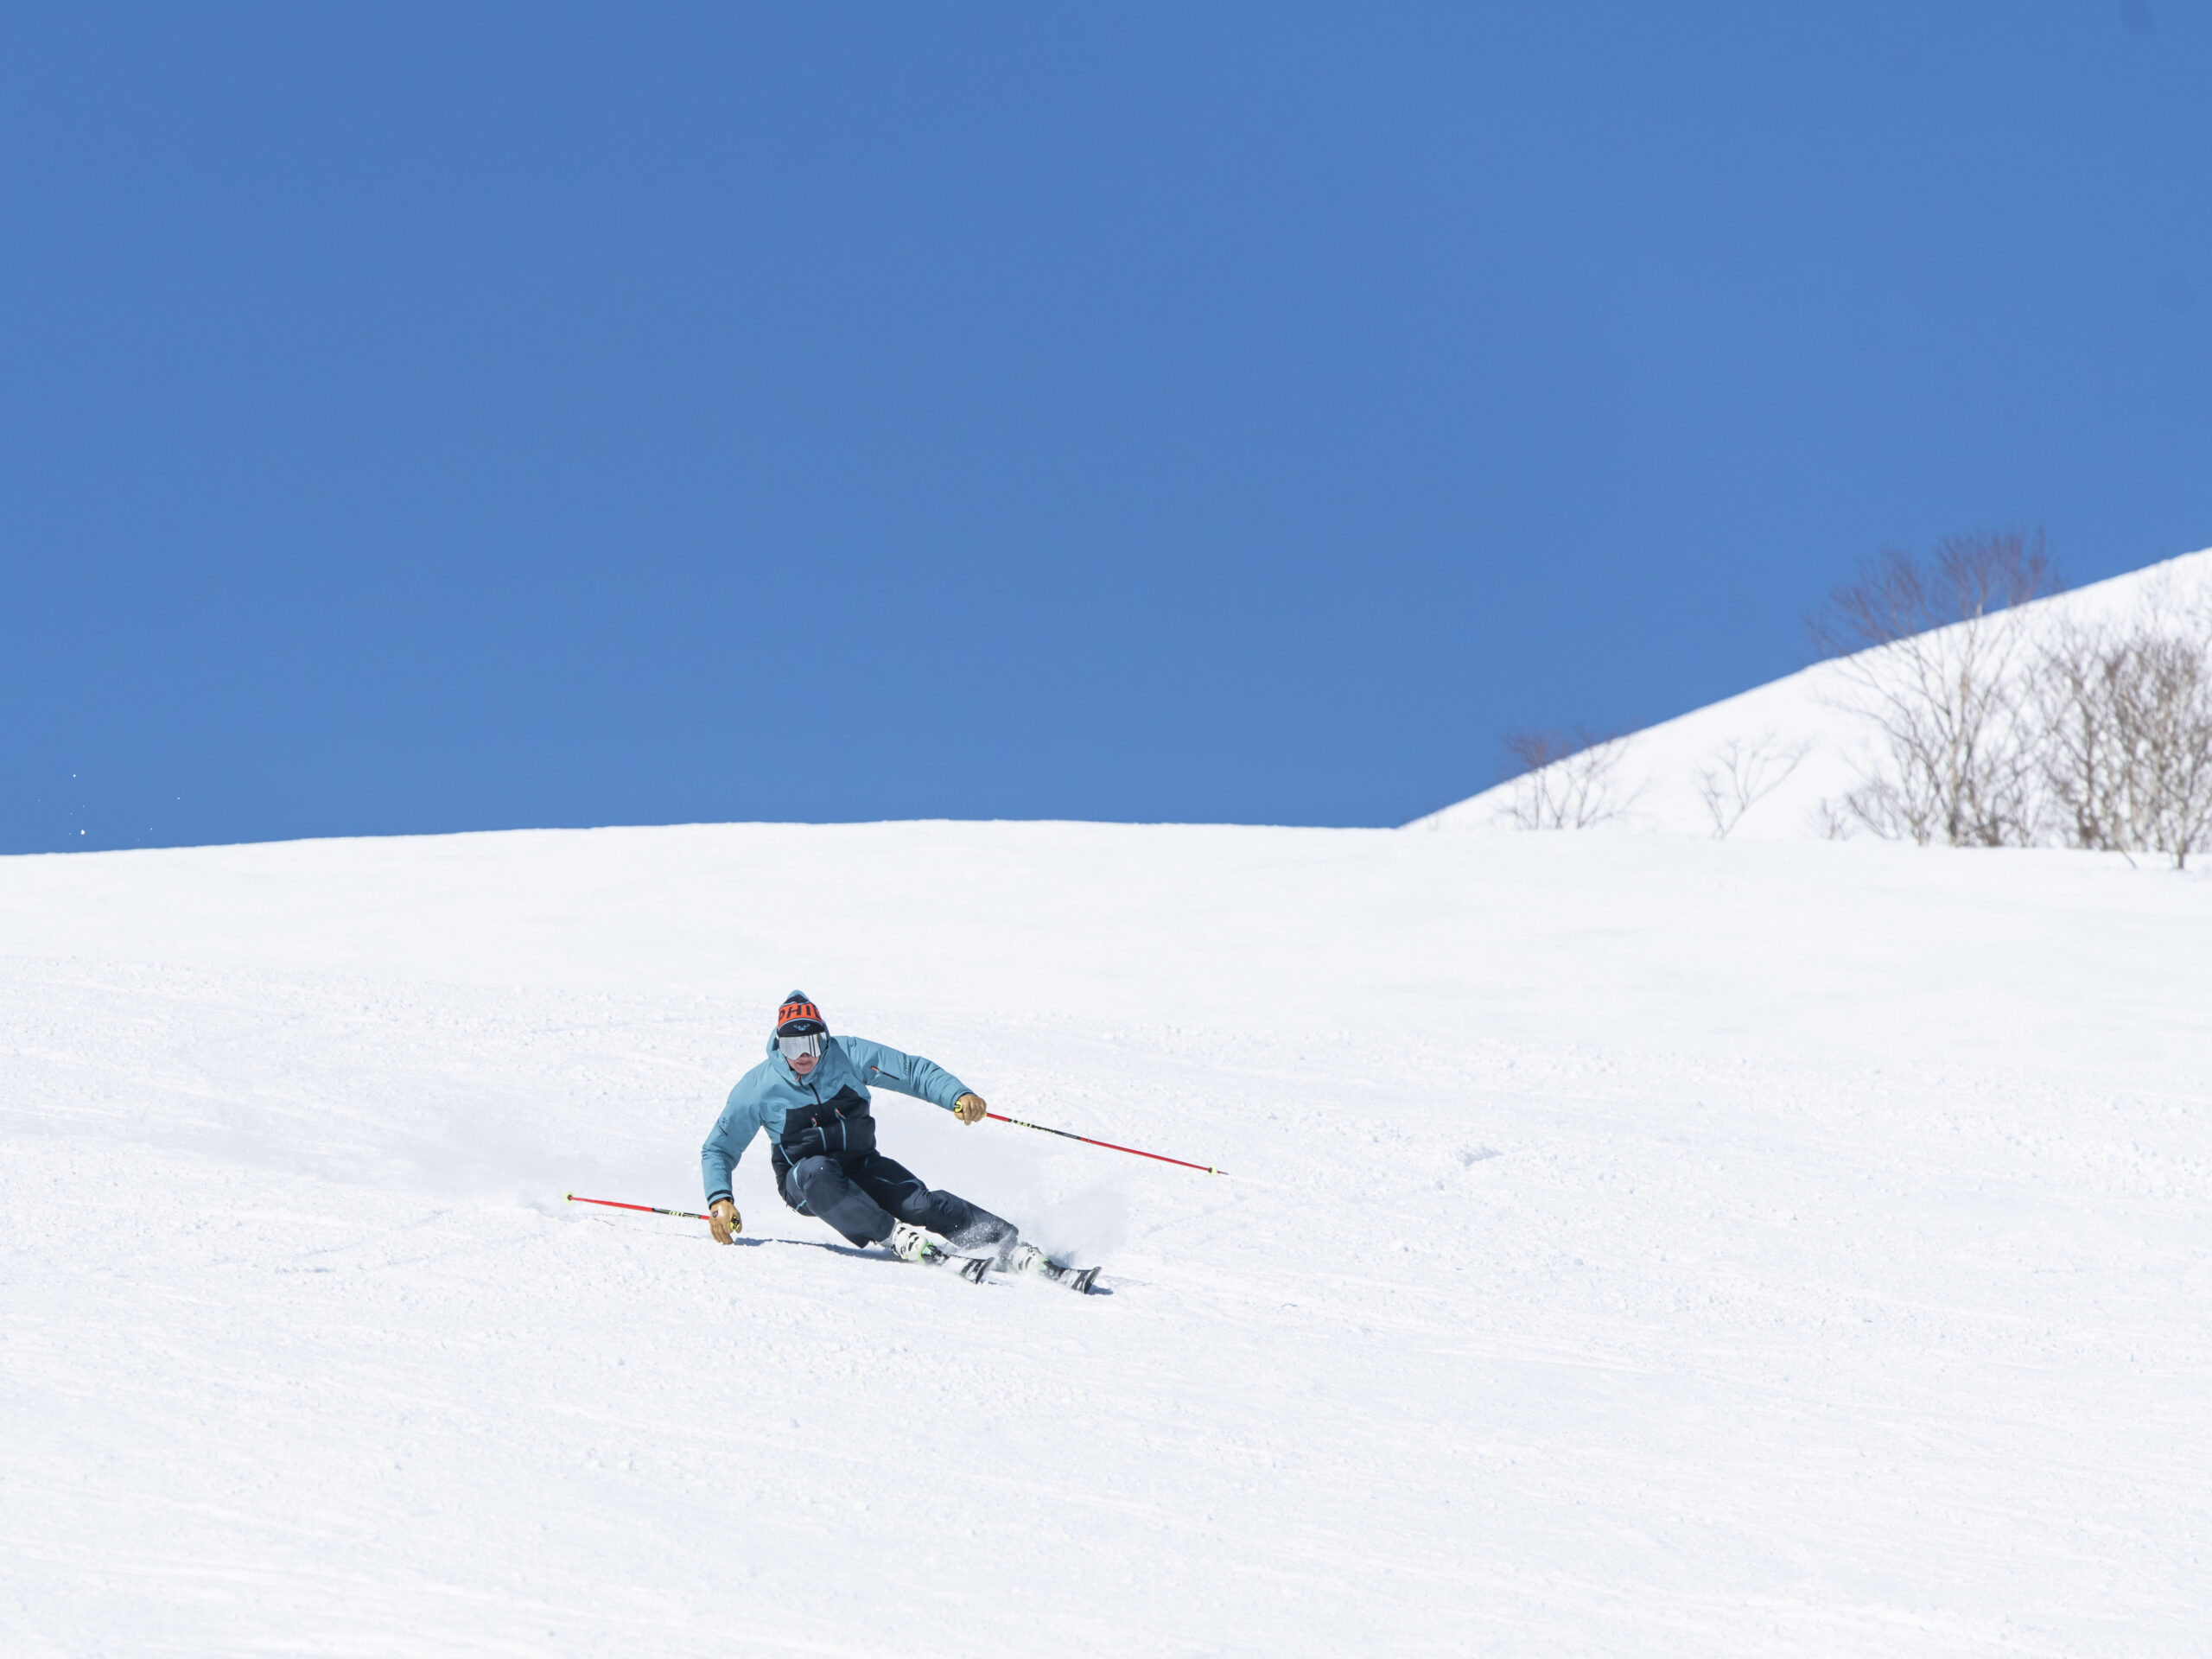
(1083, 1280)
(973, 1269)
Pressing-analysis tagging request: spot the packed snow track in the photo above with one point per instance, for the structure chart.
(1636, 1245)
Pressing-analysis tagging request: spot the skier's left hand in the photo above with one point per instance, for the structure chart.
(969, 1108)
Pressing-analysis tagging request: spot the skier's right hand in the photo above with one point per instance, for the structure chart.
(722, 1217)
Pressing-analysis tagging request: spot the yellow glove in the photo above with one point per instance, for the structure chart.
(722, 1217)
(969, 1108)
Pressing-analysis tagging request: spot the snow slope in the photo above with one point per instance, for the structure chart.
(1808, 712)
(1633, 1244)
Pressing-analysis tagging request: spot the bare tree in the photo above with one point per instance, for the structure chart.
(1741, 774)
(2076, 699)
(1565, 778)
(2167, 725)
(2126, 732)
(1832, 823)
(1928, 655)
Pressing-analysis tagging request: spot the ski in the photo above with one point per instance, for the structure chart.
(1026, 1258)
(971, 1267)
(1075, 1278)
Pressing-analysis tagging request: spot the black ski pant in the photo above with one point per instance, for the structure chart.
(861, 1193)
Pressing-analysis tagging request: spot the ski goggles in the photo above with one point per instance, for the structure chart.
(795, 1046)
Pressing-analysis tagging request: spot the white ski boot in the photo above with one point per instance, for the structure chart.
(1025, 1257)
(911, 1243)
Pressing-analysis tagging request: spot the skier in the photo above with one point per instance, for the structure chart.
(812, 1096)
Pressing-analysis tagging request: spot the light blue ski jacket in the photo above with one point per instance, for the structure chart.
(771, 1088)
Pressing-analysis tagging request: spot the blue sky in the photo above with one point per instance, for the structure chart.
(446, 417)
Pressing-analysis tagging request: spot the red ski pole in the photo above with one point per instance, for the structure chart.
(613, 1205)
(1208, 1168)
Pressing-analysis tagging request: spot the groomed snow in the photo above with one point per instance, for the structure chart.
(1633, 1244)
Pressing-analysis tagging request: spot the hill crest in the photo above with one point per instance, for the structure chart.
(1803, 728)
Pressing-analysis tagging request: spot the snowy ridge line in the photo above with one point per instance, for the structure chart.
(1795, 742)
